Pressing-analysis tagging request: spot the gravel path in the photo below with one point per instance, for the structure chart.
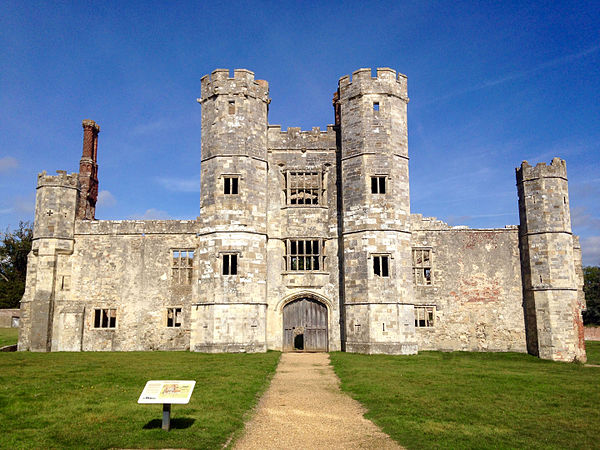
(304, 408)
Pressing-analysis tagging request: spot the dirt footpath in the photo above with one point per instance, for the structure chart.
(304, 408)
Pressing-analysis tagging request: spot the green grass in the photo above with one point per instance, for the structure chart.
(592, 349)
(89, 400)
(476, 400)
(8, 336)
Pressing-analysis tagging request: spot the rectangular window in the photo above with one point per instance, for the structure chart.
(375, 106)
(230, 263)
(422, 266)
(183, 262)
(231, 106)
(173, 317)
(230, 185)
(303, 188)
(378, 185)
(304, 254)
(381, 265)
(105, 318)
(424, 316)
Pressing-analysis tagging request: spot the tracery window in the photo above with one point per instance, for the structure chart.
(183, 262)
(304, 254)
(105, 318)
(422, 266)
(303, 188)
(424, 316)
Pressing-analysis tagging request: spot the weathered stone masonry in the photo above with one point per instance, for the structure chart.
(305, 241)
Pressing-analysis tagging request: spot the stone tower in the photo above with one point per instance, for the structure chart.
(552, 305)
(88, 171)
(375, 216)
(53, 239)
(232, 243)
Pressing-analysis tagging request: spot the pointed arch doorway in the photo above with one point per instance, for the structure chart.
(305, 326)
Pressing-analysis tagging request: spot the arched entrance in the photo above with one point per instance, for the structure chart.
(305, 326)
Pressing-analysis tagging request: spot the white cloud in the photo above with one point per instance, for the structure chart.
(25, 205)
(180, 184)
(590, 248)
(8, 163)
(106, 199)
(580, 218)
(152, 214)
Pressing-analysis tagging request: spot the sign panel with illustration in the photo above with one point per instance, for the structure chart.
(167, 391)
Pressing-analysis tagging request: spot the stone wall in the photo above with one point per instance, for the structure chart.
(8, 317)
(592, 333)
(475, 288)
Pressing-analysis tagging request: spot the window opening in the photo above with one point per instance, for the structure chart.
(381, 264)
(378, 185)
(173, 317)
(304, 254)
(105, 318)
(424, 316)
(230, 185)
(303, 188)
(230, 263)
(422, 266)
(231, 106)
(375, 106)
(183, 262)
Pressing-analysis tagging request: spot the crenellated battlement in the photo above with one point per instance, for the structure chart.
(219, 82)
(296, 138)
(556, 169)
(387, 82)
(62, 179)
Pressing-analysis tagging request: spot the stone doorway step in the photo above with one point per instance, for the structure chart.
(304, 408)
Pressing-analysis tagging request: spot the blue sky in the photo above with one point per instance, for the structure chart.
(491, 84)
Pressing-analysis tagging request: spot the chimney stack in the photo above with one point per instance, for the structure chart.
(88, 172)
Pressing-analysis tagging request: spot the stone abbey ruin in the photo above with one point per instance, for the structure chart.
(305, 241)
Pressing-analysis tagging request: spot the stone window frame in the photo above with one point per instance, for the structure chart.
(105, 318)
(182, 267)
(237, 176)
(301, 256)
(425, 316)
(375, 185)
(176, 317)
(378, 265)
(227, 258)
(317, 188)
(422, 271)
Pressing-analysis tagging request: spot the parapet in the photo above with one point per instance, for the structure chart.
(297, 139)
(219, 82)
(62, 179)
(556, 169)
(387, 81)
(135, 227)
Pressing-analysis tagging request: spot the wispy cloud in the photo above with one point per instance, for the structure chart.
(106, 199)
(590, 248)
(180, 184)
(581, 218)
(152, 214)
(519, 74)
(24, 205)
(155, 126)
(8, 163)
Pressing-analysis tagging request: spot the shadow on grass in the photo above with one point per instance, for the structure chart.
(176, 423)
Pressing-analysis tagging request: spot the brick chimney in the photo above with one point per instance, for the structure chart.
(88, 172)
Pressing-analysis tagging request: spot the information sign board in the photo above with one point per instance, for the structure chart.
(176, 392)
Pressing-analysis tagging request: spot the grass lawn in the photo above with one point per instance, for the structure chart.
(592, 348)
(8, 336)
(476, 400)
(89, 400)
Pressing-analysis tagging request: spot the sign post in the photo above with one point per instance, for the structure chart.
(167, 392)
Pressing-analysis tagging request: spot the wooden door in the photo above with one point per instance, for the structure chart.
(305, 326)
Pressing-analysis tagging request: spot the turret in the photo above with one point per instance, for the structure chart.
(88, 171)
(373, 156)
(550, 282)
(233, 213)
